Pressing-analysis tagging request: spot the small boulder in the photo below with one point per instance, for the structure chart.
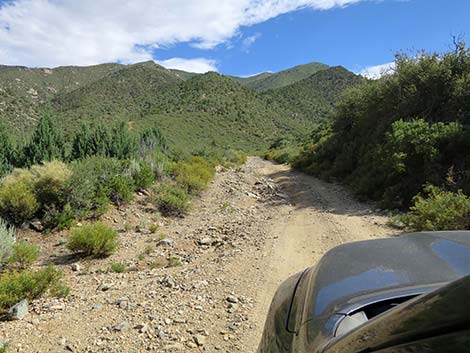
(232, 299)
(168, 282)
(106, 286)
(36, 225)
(200, 340)
(75, 267)
(121, 327)
(165, 242)
(142, 328)
(205, 241)
(19, 310)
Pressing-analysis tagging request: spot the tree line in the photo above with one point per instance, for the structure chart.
(48, 143)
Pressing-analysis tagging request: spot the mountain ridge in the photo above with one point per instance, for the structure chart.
(192, 109)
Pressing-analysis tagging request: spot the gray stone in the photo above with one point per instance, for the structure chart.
(106, 286)
(123, 303)
(75, 267)
(205, 241)
(165, 242)
(174, 347)
(36, 225)
(232, 299)
(19, 310)
(200, 340)
(142, 328)
(121, 327)
(168, 281)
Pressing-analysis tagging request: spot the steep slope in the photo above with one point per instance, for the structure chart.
(267, 81)
(314, 97)
(213, 109)
(16, 113)
(208, 109)
(24, 90)
(39, 84)
(127, 94)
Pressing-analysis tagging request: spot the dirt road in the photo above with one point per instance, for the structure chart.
(319, 217)
(208, 284)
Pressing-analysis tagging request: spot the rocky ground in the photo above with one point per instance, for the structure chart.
(199, 283)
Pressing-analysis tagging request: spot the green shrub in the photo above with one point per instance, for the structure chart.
(194, 175)
(59, 290)
(233, 158)
(171, 199)
(18, 202)
(7, 241)
(37, 191)
(284, 155)
(24, 254)
(118, 267)
(58, 219)
(389, 137)
(174, 261)
(94, 182)
(141, 174)
(153, 228)
(93, 239)
(439, 210)
(121, 190)
(16, 286)
(50, 182)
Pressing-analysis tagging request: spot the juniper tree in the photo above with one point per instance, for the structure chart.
(46, 143)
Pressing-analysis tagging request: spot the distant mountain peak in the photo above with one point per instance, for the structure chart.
(267, 80)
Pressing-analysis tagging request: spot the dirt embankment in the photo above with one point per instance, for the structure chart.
(249, 231)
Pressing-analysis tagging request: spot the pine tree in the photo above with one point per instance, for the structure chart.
(46, 143)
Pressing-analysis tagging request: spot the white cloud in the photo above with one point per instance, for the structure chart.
(375, 72)
(249, 41)
(198, 65)
(84, 32)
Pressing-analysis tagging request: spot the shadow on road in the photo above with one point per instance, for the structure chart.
(305, 191)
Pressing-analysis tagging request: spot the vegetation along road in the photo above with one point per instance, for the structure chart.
(253, 227)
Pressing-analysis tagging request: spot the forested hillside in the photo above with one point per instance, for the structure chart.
(123, 95)
(193, 111)
(314, 98)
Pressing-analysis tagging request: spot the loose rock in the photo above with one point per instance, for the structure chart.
(19, 310)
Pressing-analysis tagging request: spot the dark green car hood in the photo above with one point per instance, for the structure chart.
(355, 271)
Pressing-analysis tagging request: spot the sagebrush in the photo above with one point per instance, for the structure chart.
(93, 239)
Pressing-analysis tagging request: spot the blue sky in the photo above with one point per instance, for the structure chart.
(237, 37)
(358, 36)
